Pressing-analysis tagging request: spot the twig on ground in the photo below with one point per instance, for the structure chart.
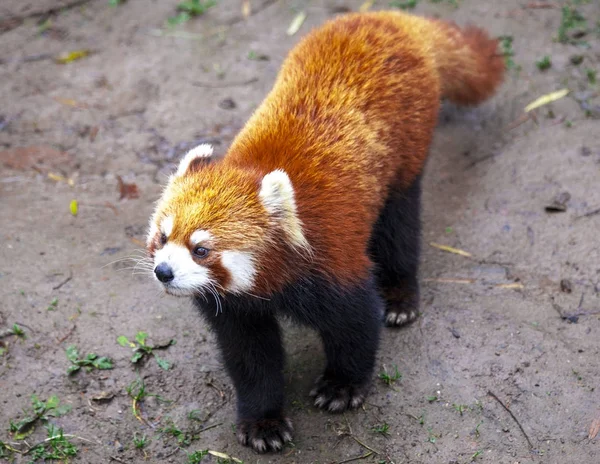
(493, 395)
(210, 427)
(67, 335)
(114, 458)
(589, 213)
(56, 287)
(363, 445)
(364, 456)
(27, 59)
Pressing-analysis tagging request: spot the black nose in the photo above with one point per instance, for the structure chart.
(164, 273)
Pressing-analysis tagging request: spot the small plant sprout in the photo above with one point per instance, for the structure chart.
(89, 362)
(382, 429)
(403, 4)
(477, 453)
(53, 305)
(432, 438)
(477, 433)
(139, 441)
(141, 349)
(189, 9)
(197, 456)
(390, 378)
(432, 399)
(506, 44)
(183, 438)
(591, 76)
(137, 392)
(18, 331)
(570, 19)
(460, 408)
(544, 63)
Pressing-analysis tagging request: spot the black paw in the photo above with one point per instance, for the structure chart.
(265, 435)
(402, 308)
(397, 316)
(334, 397)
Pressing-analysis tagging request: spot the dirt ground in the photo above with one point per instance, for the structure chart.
(515, 325)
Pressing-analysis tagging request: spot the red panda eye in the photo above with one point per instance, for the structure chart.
(200, 252)
(163, 239)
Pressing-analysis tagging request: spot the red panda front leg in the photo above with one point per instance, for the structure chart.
(349, 326)
(252, 351)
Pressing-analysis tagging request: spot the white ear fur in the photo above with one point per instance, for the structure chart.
(277, 196)
(204, 151)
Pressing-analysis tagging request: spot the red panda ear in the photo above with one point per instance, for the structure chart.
(277, 196)
(195, 159)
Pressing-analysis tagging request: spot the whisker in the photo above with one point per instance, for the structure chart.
(256, 296)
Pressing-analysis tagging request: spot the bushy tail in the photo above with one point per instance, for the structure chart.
(471, 67)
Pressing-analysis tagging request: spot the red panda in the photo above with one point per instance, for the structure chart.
(313, 214)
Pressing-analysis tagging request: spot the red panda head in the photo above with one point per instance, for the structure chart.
(215, 223)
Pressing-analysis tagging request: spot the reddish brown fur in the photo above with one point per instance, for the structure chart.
(351, 113)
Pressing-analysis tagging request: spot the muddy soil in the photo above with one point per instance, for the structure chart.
(502, 365)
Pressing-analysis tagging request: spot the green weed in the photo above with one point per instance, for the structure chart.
(460, 408)
(5, 451)
(137, 390)
(454, 3)
(432, 437)
(382, 429)
(41, 411)
(196, 415)
(141, 349)
(506, 44)
(477, 453)
(404, 4)
(139, 441)
(183, 438)
(197, 456)
(90, 361)
(53, 305)
(544, 64)
(570, 19)
(18, 331)
(388, 378)
(431, 399)
(56, 447)
(477, 433)
(591, 75)
(189, 9)
(252, 55)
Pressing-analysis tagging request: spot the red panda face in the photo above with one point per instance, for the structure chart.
(215, 222)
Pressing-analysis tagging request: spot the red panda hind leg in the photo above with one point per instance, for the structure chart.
(395, 248)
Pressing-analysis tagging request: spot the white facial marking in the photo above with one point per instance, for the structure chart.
(189, 277)
(201, 151)
(166, 226)
(277, 196)
(200, 236)
(152, 231)
(241, 268)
